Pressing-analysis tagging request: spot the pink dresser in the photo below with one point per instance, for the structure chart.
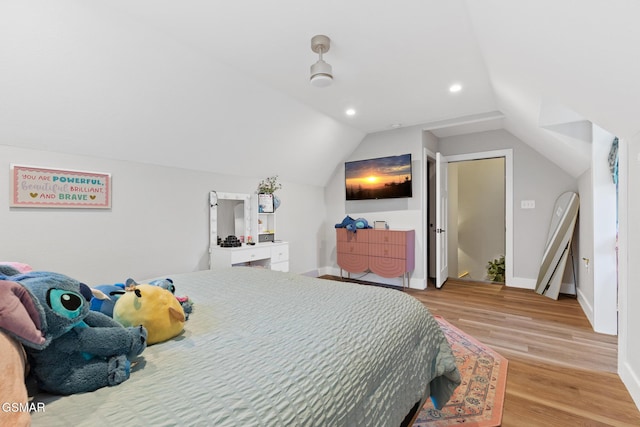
(387, 253)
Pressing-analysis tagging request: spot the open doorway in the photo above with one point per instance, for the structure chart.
(476, 224)
(429, 208)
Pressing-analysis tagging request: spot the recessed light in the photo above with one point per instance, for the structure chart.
(350, 112)
(396, 125)
(456, 87)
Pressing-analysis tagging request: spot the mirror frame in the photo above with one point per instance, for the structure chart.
(558, 247)
(214, 197)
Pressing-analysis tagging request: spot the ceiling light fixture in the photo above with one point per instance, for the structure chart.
(456, 87)
(350, 112)
(321, 73)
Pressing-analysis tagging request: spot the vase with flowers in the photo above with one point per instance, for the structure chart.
(269, 185)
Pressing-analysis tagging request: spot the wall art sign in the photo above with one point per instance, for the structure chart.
(36, 187)
(265, 203)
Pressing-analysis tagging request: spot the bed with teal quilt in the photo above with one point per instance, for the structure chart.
(266, 348)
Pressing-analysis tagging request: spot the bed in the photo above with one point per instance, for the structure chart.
(266, 348)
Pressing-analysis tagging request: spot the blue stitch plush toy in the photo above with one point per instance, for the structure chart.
(71, 349)
(353, 224)
(106, 299)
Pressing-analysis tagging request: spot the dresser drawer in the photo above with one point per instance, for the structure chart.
(388, 251)
(388, 236)
(280, 266)
(279, 253)
(360, 236)
(353, 248)
(353, 263)
(387, 267)
(247, 254)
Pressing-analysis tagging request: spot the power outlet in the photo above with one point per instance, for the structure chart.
(527, 204)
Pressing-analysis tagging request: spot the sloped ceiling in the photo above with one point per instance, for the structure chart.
(223, 86)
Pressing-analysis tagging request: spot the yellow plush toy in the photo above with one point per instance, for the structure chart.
(153, 307)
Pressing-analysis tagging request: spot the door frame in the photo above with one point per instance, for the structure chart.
(508, 200)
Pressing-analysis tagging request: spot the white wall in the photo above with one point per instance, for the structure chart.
(399, 213)
(597, 264)
(158, 223)
(534, 178)
(629, 271)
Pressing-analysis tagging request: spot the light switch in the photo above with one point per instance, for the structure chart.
(527, 204)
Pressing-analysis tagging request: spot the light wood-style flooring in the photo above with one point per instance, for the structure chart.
(561, 373)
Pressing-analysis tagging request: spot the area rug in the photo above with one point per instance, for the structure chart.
(479, 398)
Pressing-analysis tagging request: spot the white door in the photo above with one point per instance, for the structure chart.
(442, 206)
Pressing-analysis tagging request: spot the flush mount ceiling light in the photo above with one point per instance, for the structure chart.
(321, 73)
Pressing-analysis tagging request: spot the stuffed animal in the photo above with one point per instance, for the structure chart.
(104, 298)
(71, 349)
(10, 268)
(185, 302)
(153, 307)
(353, 224)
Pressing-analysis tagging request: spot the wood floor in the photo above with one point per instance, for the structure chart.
(561, 373)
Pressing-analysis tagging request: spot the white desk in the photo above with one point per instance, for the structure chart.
(272, 255)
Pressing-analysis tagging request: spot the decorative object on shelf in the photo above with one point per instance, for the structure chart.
(353, 224)
(380, 225)
(495, 270)
(265, 203)
(269, 185)
(231, 242)
(321, 72)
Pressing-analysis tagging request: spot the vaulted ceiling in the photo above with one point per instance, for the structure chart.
(223, 86)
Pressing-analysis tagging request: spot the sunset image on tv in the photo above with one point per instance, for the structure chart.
(382, 178)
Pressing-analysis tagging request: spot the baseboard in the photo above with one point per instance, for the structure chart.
(586, 307)
(631, 381)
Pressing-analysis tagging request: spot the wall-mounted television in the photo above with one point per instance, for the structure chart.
(379, 178)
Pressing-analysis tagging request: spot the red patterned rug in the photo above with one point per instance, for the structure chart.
(478, 400)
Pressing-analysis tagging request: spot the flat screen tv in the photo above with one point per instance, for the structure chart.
(380, 178)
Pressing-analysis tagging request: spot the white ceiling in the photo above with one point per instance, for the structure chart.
(392, 61)
(185, 82)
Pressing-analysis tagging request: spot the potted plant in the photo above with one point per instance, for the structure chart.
(495, 270)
